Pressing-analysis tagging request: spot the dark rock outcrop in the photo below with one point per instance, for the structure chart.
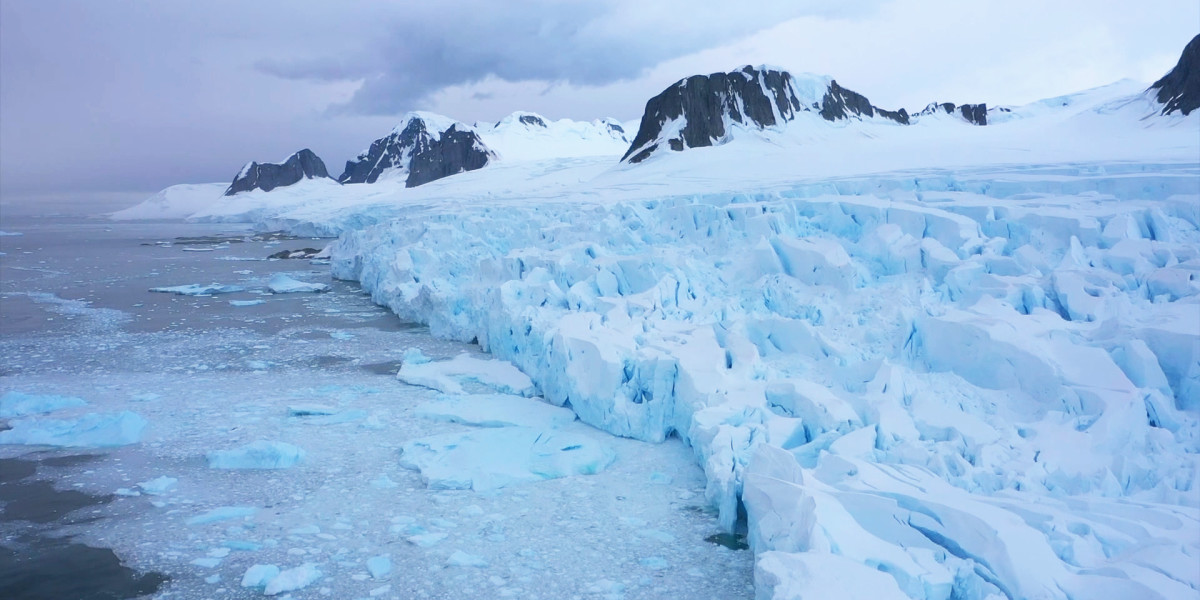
(422, 151)
(972, 113)
(755, 97)
(455, 152)
(841, 103)
(1179, 90)
(532, 120)
(268, 176)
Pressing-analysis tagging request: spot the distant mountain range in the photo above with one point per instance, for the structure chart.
(702, 110)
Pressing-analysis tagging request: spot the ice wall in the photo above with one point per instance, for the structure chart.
(984, 384)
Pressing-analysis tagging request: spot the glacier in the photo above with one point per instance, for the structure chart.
(928, 362)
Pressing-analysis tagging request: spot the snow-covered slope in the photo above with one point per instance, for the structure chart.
(940, 360)
(175, 202)
(529, 136)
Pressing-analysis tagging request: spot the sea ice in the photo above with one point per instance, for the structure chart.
(447, 376)
(261, 454)
(487, 459)
(496, 410)
(461, 559)
(258, 576)
(18, 404)
(158, 486)
(197, 289)
(379, 566)
(282, 284)
(90, 430)
(293, 579)
(246, 302)
(223, 513)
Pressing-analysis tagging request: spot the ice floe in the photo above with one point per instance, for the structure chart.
(19, 404)
(283, 284)
(448, 376)
(487, 459)
(90, 430)
(261, 454)
(199, 289)
(496, 410)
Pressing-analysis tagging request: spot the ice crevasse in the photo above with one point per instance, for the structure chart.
(969, 387)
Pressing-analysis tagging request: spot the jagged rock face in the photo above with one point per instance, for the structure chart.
(425, 155)
(972, 113)
(268, 176)
(457, 151)
(705, 102)
(1179, 90)
(841, 103)
(751, 96)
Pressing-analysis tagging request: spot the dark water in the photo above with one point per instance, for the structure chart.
(38, 562)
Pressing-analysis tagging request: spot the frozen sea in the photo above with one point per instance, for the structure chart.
(164, 381)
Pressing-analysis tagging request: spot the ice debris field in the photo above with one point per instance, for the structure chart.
(939, 363)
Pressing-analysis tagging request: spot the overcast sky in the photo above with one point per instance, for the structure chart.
(132, 96)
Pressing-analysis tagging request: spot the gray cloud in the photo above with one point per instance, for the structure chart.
(429, 46)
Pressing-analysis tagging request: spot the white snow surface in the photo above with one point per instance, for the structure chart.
(514, 140)
(175, 202)
(964, 358)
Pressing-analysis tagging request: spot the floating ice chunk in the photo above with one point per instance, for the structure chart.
(10, 233)
(258, 576)
(415, 356)
(18, 404)
(197, 289)
(379, 566)
(242, 545)
(207, 562)
(425, 540)
(246, 302)
(223, 513)
(446, 376)
(383, 482)
(90, 430)
(257, 455)
(496, 410)
(655, 563)
(158, 486)
(282, 284)
(462, 559)
(293, 579)
(494, 458)
(797, 576)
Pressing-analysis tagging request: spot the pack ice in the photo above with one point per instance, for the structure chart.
(929, 361)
